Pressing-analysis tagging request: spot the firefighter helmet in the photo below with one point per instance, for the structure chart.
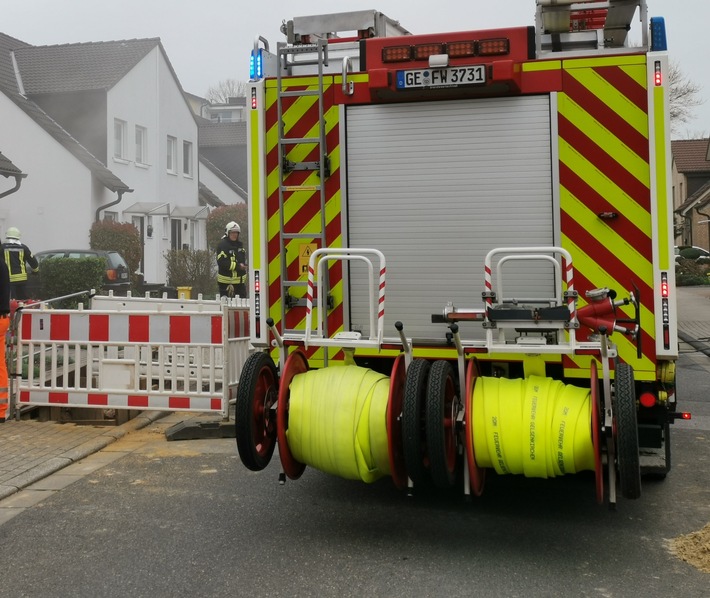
(232, 227)
(13, 233)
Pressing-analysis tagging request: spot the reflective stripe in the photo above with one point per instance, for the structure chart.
(22, 274)
(231, 279)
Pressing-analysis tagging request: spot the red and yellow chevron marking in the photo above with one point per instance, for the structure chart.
(301, 208)
(604, 167)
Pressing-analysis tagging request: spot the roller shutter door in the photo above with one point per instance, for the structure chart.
(435, 186)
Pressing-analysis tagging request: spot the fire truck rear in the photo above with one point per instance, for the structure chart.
(461, 251)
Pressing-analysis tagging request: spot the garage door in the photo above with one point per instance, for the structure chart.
(437, 185)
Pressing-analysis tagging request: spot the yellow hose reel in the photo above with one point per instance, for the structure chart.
(355, 423)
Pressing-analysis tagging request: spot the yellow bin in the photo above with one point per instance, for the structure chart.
(184, 292)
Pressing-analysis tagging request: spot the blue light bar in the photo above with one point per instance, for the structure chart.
(256, 65)
(658, 34)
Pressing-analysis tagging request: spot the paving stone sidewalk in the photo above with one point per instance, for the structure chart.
(30, 450)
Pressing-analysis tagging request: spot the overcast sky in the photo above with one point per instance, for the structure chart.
(210, 40)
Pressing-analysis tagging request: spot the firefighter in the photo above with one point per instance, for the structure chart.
(231, 263)
(17, 257)
(4, 325)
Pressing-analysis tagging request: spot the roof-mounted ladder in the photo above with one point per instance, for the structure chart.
(290, 146)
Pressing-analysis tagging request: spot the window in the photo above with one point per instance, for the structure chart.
(187, 158)
(119, 139)
(110, 216)
(141, 145)
(176, 237)
(172, 154)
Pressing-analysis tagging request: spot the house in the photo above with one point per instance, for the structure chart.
(691, 191)
(234, 110)
(223, 159)
(65, 183)
(222, 150)
(122, 103)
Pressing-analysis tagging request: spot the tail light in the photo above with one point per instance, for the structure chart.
(111, 275)
(647, 399)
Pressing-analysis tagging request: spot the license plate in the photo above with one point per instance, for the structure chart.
(448, 77)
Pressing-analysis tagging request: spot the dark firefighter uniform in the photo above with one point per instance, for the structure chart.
(17, 257)
(231, 277)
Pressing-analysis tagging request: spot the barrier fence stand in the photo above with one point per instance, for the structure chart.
(172, 355)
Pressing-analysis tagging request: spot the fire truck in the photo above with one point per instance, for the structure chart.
(461, 251)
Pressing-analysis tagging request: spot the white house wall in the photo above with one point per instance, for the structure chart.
(148, 96)
(54, 206)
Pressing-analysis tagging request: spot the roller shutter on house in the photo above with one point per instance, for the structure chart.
(435, 186)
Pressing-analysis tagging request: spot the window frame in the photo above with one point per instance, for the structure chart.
(171, 155)
(120, 133)
(142, 147)
(187, 158)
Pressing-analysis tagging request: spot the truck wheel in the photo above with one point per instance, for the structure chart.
(442, 408)
(627, 444)
(255, 428)
(413, 442)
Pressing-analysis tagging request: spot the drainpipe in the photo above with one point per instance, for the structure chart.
(18, 182)
(113, 203)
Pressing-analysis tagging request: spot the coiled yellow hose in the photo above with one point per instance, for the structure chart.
(338, 422)
(536, 426)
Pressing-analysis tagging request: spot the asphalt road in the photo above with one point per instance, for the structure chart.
(186, 519)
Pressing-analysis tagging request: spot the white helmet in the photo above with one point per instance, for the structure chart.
(231, 227)
(13, 233)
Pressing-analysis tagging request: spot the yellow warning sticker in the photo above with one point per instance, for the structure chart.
(304, 254)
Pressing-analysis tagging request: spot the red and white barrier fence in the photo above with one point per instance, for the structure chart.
(154, 358)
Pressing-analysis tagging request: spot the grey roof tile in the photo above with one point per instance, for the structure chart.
(222, 134)
(207, 197)
(7, 168)
(234, 182)
(79, 67)
(7, 70)
(8, 86)
(691, 155)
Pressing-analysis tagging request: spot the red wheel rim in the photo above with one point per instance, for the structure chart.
(450, 414)
(598, 473)
(394, 424)
(476, 474)
(295, 364)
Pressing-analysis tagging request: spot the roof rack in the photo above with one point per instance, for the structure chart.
(366, 23)
(574, 25)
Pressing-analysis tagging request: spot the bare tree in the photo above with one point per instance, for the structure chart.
(684, 97)
(228, 88)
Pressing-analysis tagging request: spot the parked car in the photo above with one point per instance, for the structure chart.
(698, 254)
(116, 278)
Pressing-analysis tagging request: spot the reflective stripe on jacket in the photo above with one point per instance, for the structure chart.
(17, 256)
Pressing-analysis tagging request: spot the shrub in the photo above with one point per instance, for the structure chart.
(218, 219)
(194, 268)
(117, 236)
(63, 276)
(689, 272)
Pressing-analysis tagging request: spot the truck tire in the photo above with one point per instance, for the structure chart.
(627, 443)
(442, 407)
(413, 439)
(254, 423)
